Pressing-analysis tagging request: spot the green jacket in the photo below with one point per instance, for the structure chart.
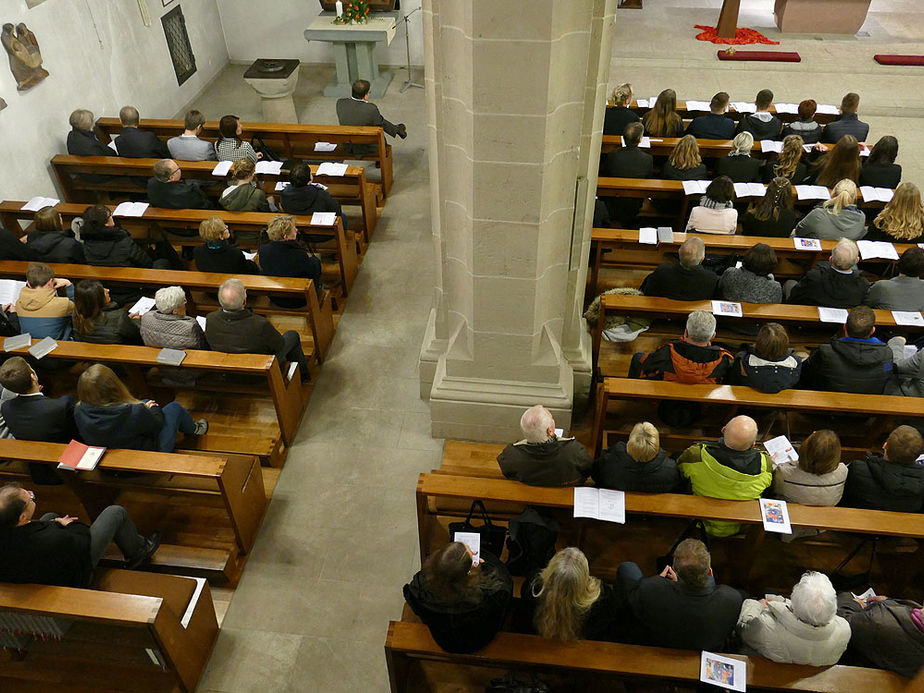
(709, 477)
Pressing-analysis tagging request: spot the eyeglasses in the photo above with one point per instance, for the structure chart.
(31, 495)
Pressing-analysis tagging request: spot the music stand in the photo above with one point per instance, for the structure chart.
(407, 42)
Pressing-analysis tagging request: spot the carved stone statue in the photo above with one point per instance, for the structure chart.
(25, 56)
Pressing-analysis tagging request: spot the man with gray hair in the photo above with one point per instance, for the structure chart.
(836, 283)
(688, 281)
(135, 143)
(693, 359)
(800, 630)
(167, 189)
(542, 458)
(236, 329)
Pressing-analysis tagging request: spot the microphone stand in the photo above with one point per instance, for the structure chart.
(407, 42)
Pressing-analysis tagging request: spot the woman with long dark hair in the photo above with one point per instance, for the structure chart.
(98, 320)
(880, 169)
(663, 120)
(841, 162)
(229, 146)
(772, 215)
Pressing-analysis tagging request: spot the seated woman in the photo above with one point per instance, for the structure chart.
(753, 282)
(885, 633)
(902, 219)
(217, 254)
(50, 242)
(902, 292)
(82, 140)
(243, 195)
(836, 218)
(638, 464)
(880, 170)
(738, 165)
(229, 146)
(909, 369)
(663, 120)
(773, 214)
(770, 365)
(99, 320)
(284, 256)
(108, 415)
(303, 197)
(463, 605)
(818, 477)
(684, 162)
(168, 326)
(716, 212)
(805, 127)
(803, 630)
(564, 602)
(841, 162)
(789, 165)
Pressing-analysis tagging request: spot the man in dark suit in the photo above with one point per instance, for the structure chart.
(627, 162)
(847, 123)
(616, 118)
(715, 126)
(356, 110)
(167, 188)
(135, 143)
(682, 607)
(687, 281)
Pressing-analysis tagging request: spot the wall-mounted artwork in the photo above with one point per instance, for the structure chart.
(2, 104)
(25, 56)
(32, 3)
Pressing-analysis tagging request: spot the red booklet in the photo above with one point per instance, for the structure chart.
(77, 456)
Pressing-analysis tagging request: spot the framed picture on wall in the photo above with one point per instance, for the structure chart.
(167, 2)
(32, 3)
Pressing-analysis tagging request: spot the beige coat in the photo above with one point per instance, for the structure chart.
(774, 632)
(795, 485)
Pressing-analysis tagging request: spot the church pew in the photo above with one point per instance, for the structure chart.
(126, 633)
(289, 140)
(409, 647)
(229, 489)
(350, 188)
(11, 214)
(811, 402)
(288, 397)
(708, 149)
(259, 289)
(683, 112)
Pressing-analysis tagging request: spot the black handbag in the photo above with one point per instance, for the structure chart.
(492, 536)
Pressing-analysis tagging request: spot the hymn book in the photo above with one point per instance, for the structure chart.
(600, 504)
(80, 457)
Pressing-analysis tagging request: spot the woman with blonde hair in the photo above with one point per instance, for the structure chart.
(617, 116)
(772, 215)
(663, 120)
(902, 219)
(789, 165)
(284, 256)
(685, 162)
(841, 162)
(243, 194)
(739, 165)
(835, 218)
(107, 414)
(568, 603)
(638, 464)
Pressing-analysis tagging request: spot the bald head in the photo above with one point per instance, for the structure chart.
(740, 433)
(232, 295)
(691, 252)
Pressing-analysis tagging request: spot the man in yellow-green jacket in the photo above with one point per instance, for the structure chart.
(730, 468)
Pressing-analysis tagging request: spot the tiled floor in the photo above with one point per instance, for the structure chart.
(339, 538)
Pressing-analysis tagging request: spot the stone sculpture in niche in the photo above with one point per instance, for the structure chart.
(25, 56)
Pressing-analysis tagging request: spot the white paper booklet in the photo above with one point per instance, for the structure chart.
(808, 147)
(645, 143)
(19, 341)
(201, 320)
(837, 316)
(780, 450)
(323, 218)
(221, 168)
(249, 256)
(9, 290)
(42, 348)
(280, 185)
(130, 209)
(812, 192)
(36, 203)
(727, 308)
(871, 194)
(906, 317)
(865, 150)
(866, 595)
(273, 168)
(331, 169)
(600, 504)
(641, 103)
(698, 106)
(877, 249)
(771, 146)
(750, 189)
(792, 108)
(827, 109)
(695, 187)
(142, 306)
(648, 235)
(473, 541)
(324, 146)
(744, 106)
(806, 243)
(725, 672)
(665, 234)
(775, 516)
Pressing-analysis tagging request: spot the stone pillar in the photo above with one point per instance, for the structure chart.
(515, 92)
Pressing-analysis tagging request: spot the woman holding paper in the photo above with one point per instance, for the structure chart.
(836, 218)
(217, 254)
(243, 195)
(229, 146)
(818, 477)
(902, 219)
(100, 321)
(462, 599)
(789, 165)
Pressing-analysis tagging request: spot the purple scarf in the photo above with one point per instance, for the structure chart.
(917, 618)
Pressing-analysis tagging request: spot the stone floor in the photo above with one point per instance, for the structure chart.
(339, 538)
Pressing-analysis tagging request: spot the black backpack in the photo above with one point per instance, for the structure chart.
(531, 542)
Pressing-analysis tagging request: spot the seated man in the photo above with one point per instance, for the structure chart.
(167, 188)
(682, 607)
(42, 313)
(834, 284)
(891, 481)
(762, 124)
(135, 143)
(904, 292)
(856, 362)
(801, 630)
(884, 633)
(693, 359)
(847, 123)
(302, 196)
(730, 468)
(356, 110)
(188, 146)
(628, 161)
(688, 281)
(542, 458)
(715, 125)
(235, 329)
(55, 550)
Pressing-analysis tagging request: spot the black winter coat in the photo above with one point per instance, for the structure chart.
(824, 286)
(224, 258)
(130, 426)
(847, 364)
(881, 485)
(45, 553)
(616, 469)
(52, 246)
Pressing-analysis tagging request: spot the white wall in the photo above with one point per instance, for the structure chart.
(275, 29)
(118, 61)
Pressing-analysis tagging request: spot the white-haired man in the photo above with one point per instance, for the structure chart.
(836, 283)
(687, 281)
(692, 359)
(802, 630)
(542, 458)
(168, 325)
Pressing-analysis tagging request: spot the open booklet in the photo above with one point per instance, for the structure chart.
(600, 504)
(80, 457)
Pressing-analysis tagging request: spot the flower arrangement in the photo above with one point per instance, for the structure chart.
(355, 11)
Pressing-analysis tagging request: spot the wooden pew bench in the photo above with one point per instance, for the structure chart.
(413, 657)
(207, 508)
(289, 140)
(685, 113)
(350, 188)
(11, 214)
(133, 630)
